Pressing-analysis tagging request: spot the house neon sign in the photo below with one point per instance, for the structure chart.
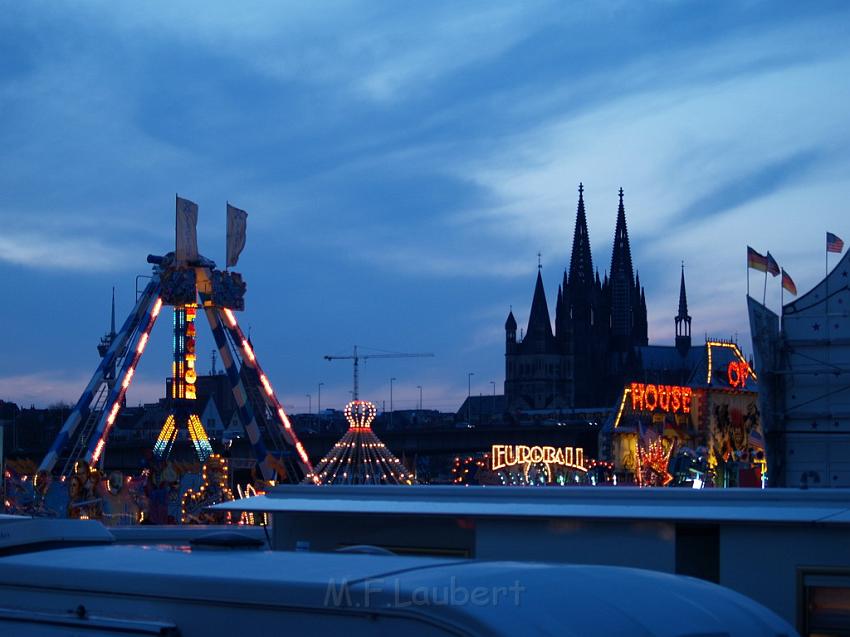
(672, 399)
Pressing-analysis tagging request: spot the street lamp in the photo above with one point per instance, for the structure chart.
(420, 396)
(392, 380)
(469, 397)
(319, 406)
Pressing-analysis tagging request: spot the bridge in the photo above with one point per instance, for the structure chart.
(409, 442)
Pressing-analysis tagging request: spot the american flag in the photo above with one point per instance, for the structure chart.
(834, 243)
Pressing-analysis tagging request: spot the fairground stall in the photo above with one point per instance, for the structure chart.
(706, 432)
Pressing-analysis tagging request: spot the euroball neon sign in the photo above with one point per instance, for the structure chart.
(672, 399)
(503, 456)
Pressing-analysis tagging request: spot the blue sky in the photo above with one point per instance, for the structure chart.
(402, 164)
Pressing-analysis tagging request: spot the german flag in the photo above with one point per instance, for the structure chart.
(788, 283)
(756, 261)
(772, 265)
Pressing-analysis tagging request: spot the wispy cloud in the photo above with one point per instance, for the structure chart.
(47, 252)
(46, 388)
(428, 149)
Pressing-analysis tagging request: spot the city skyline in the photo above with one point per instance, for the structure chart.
(400, 182)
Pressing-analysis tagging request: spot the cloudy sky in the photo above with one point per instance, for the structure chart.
(402, 165)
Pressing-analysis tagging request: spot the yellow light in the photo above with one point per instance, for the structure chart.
(284, 418)
(128, 378)
(622, 406)
(247, 349)
(142, 342)
(266, 385)
(113, 413)
(156, 308)
(230, 318)
(299, 447)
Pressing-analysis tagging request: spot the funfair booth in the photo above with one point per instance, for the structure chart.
(704, 433)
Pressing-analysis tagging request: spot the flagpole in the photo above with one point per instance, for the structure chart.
(748, 273)
(764, 295)
(826, 289)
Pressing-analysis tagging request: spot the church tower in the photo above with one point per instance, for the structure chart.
(683, 319)
(581, 312)
(622, 285)
(535, 367)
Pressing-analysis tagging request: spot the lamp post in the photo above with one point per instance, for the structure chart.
(319, 406)
(469, 397)
(420, 396)
(392, 380)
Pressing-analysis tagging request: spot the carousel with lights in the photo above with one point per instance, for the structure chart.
(359, 457)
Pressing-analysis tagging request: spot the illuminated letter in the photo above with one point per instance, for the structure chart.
(637, 396)
(559, 456)
(496, 457)
(664, 397)
(580, 457)
(536, 454)
(686, 400)
(522, 453)
(733, 374)
(548, 455)
(651, 405)
(510, 455)
(675, 399)
(568, 456)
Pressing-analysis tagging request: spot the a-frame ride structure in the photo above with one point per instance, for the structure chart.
(192, 287)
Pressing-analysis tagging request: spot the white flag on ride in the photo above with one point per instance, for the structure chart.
(186, 248)
(237, 222)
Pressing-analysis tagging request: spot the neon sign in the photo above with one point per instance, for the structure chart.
(503, 456)
(737, 373)
(668, 398)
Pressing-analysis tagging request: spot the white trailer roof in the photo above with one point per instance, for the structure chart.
(821, 506)
(538, 599)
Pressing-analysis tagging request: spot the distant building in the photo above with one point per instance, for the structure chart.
(599, 324)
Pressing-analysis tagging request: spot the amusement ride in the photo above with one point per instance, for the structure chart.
(192, 285)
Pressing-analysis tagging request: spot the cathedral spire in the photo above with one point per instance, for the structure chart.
(539, 324)
(581, 262)
(683, 319)
(621, 256)
(622, 284)
(683, 296)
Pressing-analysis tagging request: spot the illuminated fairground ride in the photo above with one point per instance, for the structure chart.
(191, 284)
(360, 457)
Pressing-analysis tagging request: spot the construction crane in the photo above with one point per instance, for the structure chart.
(357, 357)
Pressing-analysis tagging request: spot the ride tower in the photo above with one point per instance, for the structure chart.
(182, 396)
(191, 284)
